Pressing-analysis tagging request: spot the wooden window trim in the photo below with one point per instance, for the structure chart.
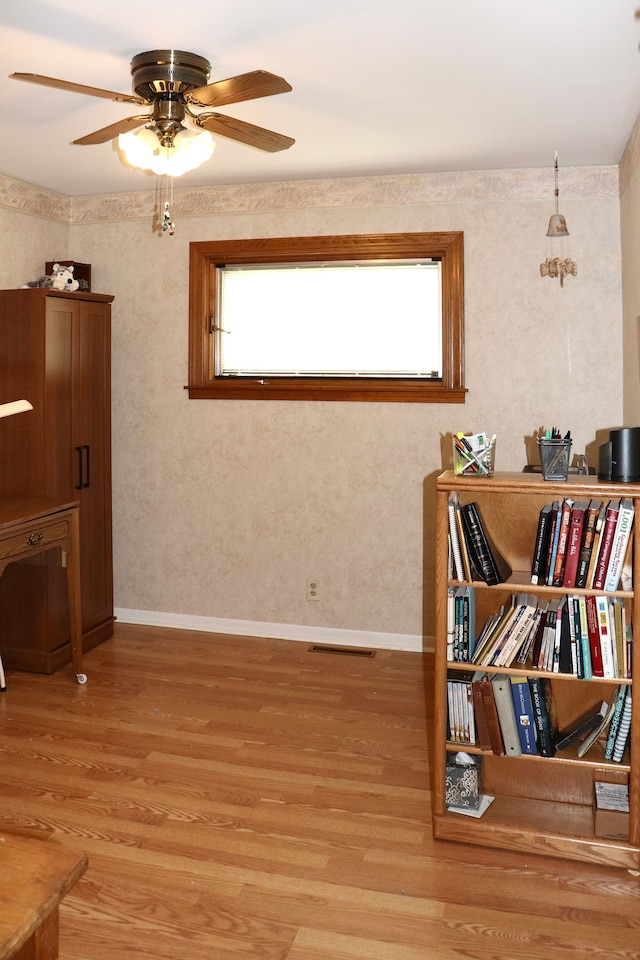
(205, 256)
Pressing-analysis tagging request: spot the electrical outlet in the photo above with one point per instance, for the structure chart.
(312, 590)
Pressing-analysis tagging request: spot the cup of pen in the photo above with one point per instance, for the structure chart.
(555, 453)
(471, 460)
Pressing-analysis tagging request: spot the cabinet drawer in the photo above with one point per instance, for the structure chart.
(34, 537)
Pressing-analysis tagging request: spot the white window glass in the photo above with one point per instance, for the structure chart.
(331, 320)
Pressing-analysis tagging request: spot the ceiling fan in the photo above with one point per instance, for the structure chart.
(174, 84)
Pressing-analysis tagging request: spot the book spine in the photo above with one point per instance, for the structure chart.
(595, 550)
(615, 723)
(483, 738)
(604, 630)
(608, 533)
(556, 513)
(546, 746)
(479, 544)
(574, 545)
(563, 540)
(620, 543)
(587, 544)
(594, 637)
(455, 543)
(587, 667)
(524, 715)
(491, 713)
(506, 715)
(541, 546)
(624, 729)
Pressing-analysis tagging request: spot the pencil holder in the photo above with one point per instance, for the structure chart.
(471, 459)
(555, 453)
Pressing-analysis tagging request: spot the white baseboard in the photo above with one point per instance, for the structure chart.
(278, 631)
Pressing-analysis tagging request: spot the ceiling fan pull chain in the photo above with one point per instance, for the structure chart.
(167, 222)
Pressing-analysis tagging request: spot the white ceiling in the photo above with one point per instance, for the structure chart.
(400, 86)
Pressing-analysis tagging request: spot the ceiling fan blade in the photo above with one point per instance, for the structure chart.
(244, 132)
(246, 86)
(77, 88)
(113, 130)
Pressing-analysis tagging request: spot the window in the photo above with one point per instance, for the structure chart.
(371, 317)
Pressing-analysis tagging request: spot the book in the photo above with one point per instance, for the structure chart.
(513, 615)
(491, 715)
(584, 724)
(606, 545)
(574, 635)
(541, 546)
(451, 622)
(544, 715)
(595, 550)
(587, 666)
(484, 559)
(462, 542)
(599, 730)
(530, 646)
(563, 540)
(594, 636)
(565, 658)
(536, 650)
(483, 737)
(624, 730)
(525, 721)
(547, 649)
(621, 538)
(556, 513)
(604, 632)
(486, 636)
(614, 726)
(587, 542)
(460, 711)
(454, 541)
(464, 619)
(519, 632)
(506, 715)
(617, 619)
(574, 544)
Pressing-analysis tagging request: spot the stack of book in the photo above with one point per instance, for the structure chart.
(582, 543)
(516, 716)
(584, 636)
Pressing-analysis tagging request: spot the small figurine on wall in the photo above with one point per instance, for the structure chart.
(61, 278)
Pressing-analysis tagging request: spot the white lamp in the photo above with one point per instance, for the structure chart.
(170, 156)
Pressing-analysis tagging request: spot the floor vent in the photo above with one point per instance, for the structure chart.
(345, 651)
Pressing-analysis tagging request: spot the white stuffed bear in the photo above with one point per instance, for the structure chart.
(61, 279)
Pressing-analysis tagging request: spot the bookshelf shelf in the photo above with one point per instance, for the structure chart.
(542, 805)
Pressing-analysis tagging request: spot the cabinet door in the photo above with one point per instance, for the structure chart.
(91, 458)
(55, 351)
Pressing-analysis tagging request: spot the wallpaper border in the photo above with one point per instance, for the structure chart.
(401, 190)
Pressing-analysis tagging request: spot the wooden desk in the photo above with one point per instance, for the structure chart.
(29, 526)
(35, 875)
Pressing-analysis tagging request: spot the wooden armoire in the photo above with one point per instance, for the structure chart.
(55, 351)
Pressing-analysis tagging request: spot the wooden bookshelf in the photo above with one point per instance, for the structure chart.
(542, 805)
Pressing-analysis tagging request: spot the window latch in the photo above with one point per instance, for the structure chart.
(214, 328)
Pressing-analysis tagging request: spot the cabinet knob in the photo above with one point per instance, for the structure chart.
(35, 539)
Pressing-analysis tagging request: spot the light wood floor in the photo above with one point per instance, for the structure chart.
(244, 799)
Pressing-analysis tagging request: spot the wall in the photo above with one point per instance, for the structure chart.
(630, 233)
(223, 509)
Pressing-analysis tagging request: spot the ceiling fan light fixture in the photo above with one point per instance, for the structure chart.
(184, 151)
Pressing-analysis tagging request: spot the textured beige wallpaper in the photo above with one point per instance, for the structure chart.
(630, 233)
(223, 509)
